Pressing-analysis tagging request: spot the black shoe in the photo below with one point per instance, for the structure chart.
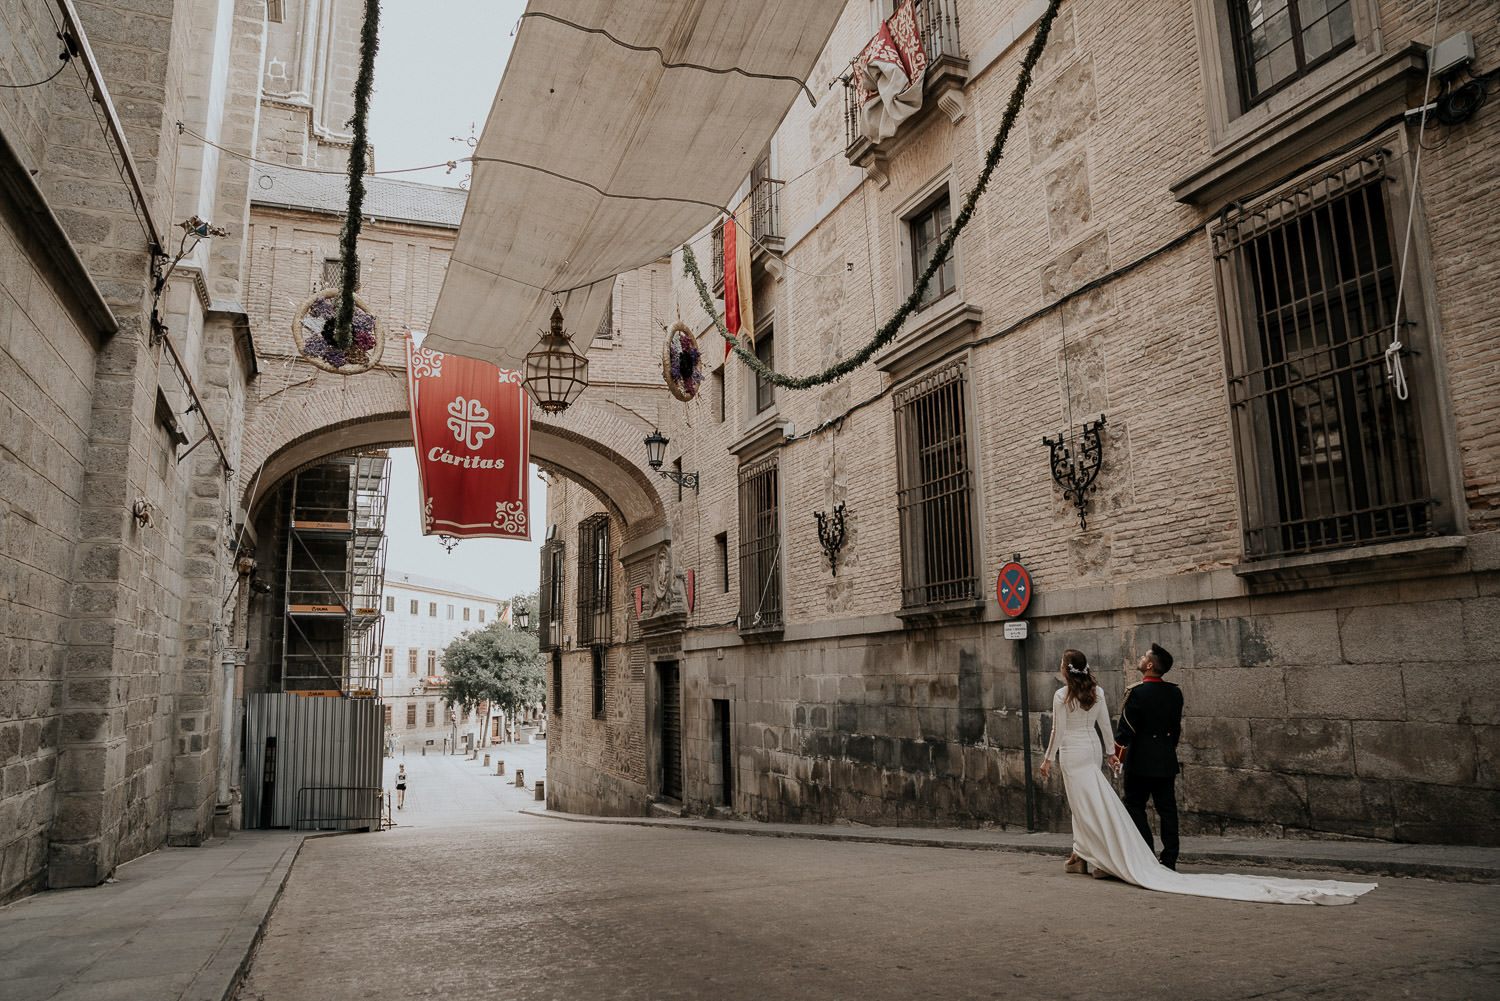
(1172, 864)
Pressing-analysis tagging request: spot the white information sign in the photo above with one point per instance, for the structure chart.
(1015, 629)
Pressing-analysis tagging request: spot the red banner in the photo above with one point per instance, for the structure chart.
(471, 423)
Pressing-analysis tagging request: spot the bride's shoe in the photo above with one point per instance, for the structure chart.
(1076, 865)
(1101, 874)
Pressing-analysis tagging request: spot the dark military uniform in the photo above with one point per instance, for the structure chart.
(1150, 725)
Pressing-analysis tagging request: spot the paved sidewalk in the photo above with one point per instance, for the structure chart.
(179, 923)
(1460, 863)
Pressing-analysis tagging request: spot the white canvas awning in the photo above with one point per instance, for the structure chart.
(597, 158)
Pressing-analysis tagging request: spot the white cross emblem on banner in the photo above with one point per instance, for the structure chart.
(467, 421)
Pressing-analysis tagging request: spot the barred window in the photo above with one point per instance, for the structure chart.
(557, 700)
(1329, 457)
(1277, 41)
(760, 545)
(333, 273)
(599, 679)
(935, 488)
(550, 597)
(593, 580)
(717, 253)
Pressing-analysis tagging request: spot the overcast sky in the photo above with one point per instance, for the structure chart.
(439, 65)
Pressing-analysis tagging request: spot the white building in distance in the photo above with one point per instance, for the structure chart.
(422, 616)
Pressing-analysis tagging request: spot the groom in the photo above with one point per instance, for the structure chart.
(1146, 738)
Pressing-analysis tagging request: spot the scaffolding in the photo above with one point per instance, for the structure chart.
(335, 570)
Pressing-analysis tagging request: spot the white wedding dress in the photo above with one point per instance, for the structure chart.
(1106, 837)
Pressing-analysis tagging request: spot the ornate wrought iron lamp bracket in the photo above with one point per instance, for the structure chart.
(831, 534)
(1076, 475)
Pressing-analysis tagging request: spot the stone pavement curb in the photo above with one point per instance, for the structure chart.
(221, 977)
(1452, 863)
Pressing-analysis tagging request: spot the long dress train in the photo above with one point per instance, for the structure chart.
(1106, 837)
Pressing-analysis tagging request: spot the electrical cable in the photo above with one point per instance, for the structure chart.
(66, 55)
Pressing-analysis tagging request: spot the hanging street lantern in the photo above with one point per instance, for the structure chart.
(523, 618)
(555, 372)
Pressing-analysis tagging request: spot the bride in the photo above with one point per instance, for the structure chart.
(1106, 838)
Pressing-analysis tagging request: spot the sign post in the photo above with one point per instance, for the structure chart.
(1013, 591)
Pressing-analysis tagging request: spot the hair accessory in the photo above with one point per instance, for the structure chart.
(1074, 669)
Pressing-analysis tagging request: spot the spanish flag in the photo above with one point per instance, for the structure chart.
(738, 309)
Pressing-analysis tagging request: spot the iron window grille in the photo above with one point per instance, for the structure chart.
(717, 253)
(928, 227)
(333, 273)
(550, 597)
(760, 545)
(1329, 456)
(557, 699)
(1278, 41)
(599, 664)
(593, 581)
(935, 490)
(606, 331)
(765, 350)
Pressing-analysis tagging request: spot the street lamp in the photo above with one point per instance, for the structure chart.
(523, 618)
(656, 447)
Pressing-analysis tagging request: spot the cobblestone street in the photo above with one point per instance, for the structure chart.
(470, 898)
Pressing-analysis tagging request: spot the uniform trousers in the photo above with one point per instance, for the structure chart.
(1162, 791)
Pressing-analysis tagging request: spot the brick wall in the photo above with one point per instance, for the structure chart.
(1312, 709)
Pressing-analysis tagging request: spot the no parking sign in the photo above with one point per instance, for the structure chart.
(1013, 589)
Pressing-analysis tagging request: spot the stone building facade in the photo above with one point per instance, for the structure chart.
(1207, 255)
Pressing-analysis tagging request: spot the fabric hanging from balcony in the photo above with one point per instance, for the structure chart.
(618, 131)
(888, 75)
(471, 423)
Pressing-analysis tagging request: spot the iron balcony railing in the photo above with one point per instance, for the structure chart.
(765, 211)
(760, 546)
(937, 24)
(717, 253)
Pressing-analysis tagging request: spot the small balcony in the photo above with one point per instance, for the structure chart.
(942, 87)
(765, 216)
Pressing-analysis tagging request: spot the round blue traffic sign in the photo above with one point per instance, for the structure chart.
(1013, 589)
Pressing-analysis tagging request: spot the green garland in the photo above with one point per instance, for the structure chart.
(359, 152)
(889, 329)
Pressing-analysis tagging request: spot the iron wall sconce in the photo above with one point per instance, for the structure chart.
(831, 534)
(656, 448)
(1076, 475)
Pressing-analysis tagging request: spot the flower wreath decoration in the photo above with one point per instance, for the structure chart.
(681, 362)
(312, 329)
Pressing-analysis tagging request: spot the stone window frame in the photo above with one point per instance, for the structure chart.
(388, 662)
(413, 656)
(1378, 559)
(1230, 115)
(902, 218)
(1240, 29)
(962, 367)
(763, 395)
(411, 715)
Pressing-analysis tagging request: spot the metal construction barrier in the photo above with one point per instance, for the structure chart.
(337, 808)
(294, 743)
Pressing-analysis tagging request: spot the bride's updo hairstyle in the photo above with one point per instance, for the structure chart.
(1081, 683)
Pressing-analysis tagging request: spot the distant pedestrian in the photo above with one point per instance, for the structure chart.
(401, 786)
(1146, 739)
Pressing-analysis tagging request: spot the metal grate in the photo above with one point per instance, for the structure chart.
(606, 331)
(593, 580)
(599, 666)
(935, 490)
(717, 253)
(1330, 456)
(671, 730)
(550, 597)
(765, 202)
(760, 546)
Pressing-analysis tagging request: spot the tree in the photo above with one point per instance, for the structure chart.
(496, 665)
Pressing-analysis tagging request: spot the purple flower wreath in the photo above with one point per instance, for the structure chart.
(320, 345)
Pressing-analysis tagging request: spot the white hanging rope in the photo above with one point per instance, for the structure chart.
(1395, 369)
